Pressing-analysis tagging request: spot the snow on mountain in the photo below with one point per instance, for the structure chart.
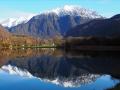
(75, 11)
(66, 10)
(10, 22)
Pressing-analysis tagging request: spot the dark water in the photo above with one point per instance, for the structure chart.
(49, 69)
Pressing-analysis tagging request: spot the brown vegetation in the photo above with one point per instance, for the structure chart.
(8, 40)
(4, 37)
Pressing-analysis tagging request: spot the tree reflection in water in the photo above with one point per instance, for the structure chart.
(65, 68)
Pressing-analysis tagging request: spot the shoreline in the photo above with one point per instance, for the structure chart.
(69, 48)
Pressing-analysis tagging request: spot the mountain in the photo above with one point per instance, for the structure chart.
(55, 22)
(10, 22)
(97, 28)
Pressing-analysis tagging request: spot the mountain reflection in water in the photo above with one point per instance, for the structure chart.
(79, 70)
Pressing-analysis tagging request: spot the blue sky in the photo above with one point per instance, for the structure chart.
(16, 8)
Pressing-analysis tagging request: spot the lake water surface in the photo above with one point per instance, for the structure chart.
(50, 69)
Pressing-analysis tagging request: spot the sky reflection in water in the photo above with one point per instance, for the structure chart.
(16, 82)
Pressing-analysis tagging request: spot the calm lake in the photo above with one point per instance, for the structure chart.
(51, 69)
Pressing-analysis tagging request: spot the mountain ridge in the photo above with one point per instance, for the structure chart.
(50, 24)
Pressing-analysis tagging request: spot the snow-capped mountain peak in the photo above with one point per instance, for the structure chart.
(75, 11)
(10, 22)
